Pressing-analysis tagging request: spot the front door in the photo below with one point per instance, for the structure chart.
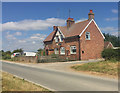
(47, 52)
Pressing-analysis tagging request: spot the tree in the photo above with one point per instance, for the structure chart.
(39, 51)
(6, 55)
(18, 50)
(8, 52)
(113, 39)
(2, 51)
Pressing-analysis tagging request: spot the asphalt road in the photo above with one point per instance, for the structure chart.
(61, 80)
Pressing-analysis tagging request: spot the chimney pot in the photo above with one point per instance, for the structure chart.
(91, 11)
(54, 27)
(70, 21)
(90, 15)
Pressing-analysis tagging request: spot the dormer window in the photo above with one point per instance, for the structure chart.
(87, 35)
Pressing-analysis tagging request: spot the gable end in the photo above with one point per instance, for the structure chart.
(96, 26)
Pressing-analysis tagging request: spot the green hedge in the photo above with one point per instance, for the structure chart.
(110, 54)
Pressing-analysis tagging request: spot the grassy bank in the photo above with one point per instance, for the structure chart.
(12, 83)
(103, 67)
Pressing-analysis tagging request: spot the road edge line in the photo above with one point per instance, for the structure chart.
(31, 81)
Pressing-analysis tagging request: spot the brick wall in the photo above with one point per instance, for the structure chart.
(92, 48)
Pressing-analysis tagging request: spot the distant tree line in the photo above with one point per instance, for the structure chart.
(7, 54)
(113, 39)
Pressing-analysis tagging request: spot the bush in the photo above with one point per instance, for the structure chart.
(54, 55)
(44, 53)
(6, 57)
(110, 54)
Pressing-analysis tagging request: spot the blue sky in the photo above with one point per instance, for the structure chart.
(26, 24)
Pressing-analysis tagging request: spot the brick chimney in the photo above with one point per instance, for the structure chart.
(70, 21)
(90, 15)
(55, 28)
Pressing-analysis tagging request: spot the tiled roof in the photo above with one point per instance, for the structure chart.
(50, 36)
(106, 43)
(74, 30)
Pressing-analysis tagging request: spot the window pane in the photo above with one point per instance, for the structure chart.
(56, 51)
(62, 50)
(56, 39)
(88, 35)
(73, 49)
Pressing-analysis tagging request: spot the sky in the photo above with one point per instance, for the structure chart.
(26, 24)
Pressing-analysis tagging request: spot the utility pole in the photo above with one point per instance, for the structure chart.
(69, 13)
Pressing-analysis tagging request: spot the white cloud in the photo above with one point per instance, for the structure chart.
(10, 36)
(28, 44)
(21, 41)
(114, 33)
(109, 29)
(18, 34)
(33, 42)
(26, 25)
(82, 19)
(111, 19)
(114, 11)
(38, 36)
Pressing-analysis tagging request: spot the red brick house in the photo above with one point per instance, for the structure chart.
(77, 41)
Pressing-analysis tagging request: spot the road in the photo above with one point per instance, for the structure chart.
(61, 80)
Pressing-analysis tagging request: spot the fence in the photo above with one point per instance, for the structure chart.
(41, 59)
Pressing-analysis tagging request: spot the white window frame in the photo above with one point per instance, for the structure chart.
(72, 47)
(87, 33)
(61, 39)
(56, 51)
(57, 39)
(62, 53)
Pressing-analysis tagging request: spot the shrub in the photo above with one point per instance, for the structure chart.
(43, 52)
(110, 54)
(7, 57)
(54, 55)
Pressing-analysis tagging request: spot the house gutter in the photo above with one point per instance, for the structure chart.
(79, 47)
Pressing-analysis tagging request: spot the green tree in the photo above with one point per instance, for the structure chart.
(113, 39)
(39, 51)
(6, 55)
(18, 50)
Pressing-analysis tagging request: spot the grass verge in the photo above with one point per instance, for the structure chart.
(12, 83)
(103, 67)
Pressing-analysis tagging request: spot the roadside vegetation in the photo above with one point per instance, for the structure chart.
(6, 55)
(113, 39)
(12, 83)
(104, 67)
(107, 67)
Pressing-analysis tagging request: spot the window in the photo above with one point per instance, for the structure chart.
(61, 38)
(56, 39)
(73, 49)
(87, 35)
(62, 51)
(56, 51)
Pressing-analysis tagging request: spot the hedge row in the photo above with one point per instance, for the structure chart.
(109, 54)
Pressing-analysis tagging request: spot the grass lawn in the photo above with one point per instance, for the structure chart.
(103, 67)
(12, 83)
